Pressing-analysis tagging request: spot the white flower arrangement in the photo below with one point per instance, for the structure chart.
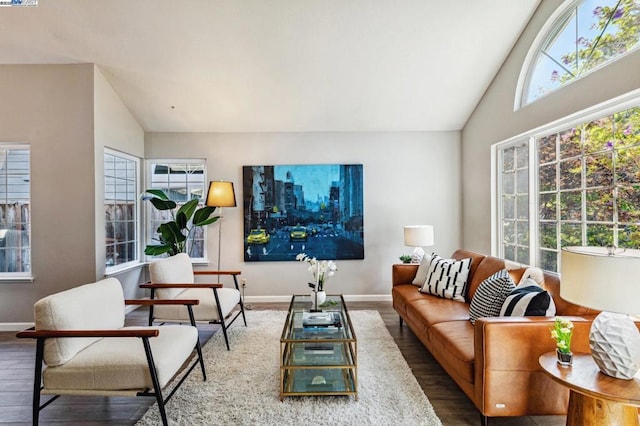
(321, 270)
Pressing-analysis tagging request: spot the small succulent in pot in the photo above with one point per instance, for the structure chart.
(405, 258)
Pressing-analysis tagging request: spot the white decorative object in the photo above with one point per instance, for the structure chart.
(418, 236)
(615, 345)
(322, 297)
(607, 279)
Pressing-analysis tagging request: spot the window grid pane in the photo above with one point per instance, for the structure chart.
(585, 37)
(15, 210)
(121, 207)
(181, 181)
(514, 161)
(597, 196)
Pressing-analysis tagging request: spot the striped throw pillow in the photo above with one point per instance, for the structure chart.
(447, 278)
(490, 296)
(528, 299)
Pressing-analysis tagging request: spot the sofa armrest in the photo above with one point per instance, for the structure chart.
(210, 272)
(152, 302)
(138, 332)
(403, 273)
(506, 351)
(181, 285)
(497, 340)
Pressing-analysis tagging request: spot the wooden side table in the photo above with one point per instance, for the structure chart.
(595, 398)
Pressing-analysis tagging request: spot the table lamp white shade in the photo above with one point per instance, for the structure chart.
(418, 236)
(606, 279)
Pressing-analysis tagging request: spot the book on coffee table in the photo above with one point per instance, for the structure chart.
(321, 319)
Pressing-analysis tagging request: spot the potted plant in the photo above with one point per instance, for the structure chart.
(561, 332)
(405, 258)
(175, 234)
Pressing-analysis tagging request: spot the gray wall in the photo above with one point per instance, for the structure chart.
(117, 129)
(409, 178)
(51, 108)
(495, 120)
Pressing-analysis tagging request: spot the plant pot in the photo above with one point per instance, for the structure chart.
(564, 359)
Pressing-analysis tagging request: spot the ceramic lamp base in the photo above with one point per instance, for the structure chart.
(615, 345)
(417, 255)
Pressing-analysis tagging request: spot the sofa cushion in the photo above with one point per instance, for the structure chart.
(95, 306)
(452, 345)
(447, 278)
(430, 310)
(120, 363)
(171, 270)
(403, 295)
(528, 299)
(490, 296)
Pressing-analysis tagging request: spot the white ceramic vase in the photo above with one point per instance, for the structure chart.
(318, 297)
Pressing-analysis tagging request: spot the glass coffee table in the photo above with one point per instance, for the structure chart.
(318, 350)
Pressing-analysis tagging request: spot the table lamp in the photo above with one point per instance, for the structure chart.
(220, 194)
(418, 236)
(606, 279)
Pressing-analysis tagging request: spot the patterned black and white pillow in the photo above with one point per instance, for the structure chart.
(447, 278)
(490, 296)
(528, 299)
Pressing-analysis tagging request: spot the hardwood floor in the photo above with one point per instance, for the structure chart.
(16, 376)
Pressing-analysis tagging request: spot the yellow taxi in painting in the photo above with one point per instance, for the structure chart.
(298, 233)
(258, 236)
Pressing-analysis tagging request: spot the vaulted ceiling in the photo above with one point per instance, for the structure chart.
(278, 65)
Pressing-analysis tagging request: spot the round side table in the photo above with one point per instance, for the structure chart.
(594, 398)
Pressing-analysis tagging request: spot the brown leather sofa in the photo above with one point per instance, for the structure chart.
(495, 361)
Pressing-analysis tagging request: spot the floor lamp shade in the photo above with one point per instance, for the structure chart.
(606, 279)
(221, 194)
(418, 236)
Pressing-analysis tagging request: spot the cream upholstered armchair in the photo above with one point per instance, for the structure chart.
(174, 278)
(87, 350)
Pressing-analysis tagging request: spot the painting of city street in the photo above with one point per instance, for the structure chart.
(313, 209)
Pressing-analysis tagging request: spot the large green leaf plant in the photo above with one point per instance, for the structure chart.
(174, 235)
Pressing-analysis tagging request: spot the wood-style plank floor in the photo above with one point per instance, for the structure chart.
(17, 363)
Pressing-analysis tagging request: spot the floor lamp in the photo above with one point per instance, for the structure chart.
(221, 194)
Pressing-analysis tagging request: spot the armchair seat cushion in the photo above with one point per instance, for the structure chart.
(121, 363)
(206, 310)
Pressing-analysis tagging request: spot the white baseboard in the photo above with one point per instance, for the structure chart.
(15, 326)
(347, 298)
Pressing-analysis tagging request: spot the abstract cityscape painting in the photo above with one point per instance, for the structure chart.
(314, 209)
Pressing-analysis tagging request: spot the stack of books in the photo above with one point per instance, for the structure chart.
(321, 319)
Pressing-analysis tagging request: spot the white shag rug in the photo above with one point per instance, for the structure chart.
(242, 385)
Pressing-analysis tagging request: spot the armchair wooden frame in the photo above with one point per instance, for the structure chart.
(224, 324)
(143, 334)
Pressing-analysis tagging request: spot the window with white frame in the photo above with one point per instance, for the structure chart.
(181, 180)
(121, 189)
(580, 37)
(587, 189)
(514, 200)
(15, 210)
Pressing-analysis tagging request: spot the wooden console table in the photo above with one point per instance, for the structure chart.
(595, 399)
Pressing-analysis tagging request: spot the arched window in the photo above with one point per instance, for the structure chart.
(580, 37)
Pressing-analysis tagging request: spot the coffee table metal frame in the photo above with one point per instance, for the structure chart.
(318, 360)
